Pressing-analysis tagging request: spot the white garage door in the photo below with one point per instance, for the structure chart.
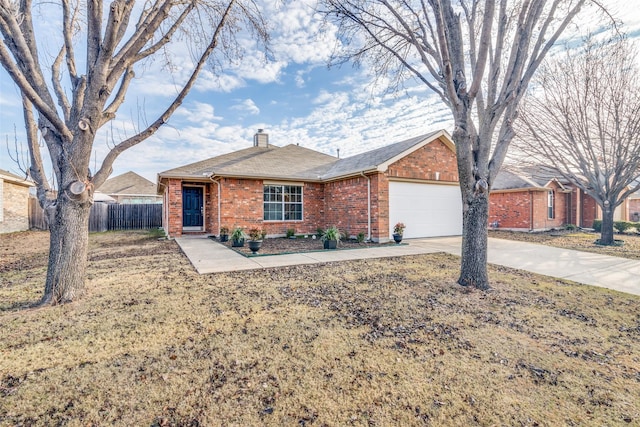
(428, 210)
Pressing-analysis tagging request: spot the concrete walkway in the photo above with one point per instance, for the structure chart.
(621, 274)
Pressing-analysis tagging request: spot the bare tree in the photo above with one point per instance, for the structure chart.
(582, 119)
(115, 39)
(479, 57)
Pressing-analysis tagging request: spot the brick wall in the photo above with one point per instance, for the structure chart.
(528, 210)
(380, 208)
(589, 210)
(243, 206)
(173, 208)
(511, 210)
(435, 161)
(15, 207)
(346, 205)
(241, 203)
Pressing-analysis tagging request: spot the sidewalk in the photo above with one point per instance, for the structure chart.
(620, 274)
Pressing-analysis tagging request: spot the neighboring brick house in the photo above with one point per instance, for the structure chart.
(129, 188)
(536, 201)
(277, 188)
(14, 202)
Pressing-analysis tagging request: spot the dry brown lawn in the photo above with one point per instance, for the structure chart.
(390, 342)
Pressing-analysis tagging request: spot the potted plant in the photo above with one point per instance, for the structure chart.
(256, 235)
(398, 229)
(237, 237)
(224, 234)
(330, 237)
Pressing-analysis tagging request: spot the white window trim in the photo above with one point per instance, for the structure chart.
(283, 184)
(551, 205)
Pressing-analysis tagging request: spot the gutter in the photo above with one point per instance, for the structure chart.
(368, 205)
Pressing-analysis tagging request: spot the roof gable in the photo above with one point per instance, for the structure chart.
(380, 158)
(526, 179)
(128, 183)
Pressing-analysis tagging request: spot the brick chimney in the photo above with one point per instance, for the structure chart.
(261, 139)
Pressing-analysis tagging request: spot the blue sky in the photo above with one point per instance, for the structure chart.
(295, 98)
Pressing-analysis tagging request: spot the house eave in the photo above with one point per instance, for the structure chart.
(208, 177)
(519, 190)
(350, 174)
(23, 183)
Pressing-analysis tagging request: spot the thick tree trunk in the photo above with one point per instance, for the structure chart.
(606, 232)
(473, 265)
(68, 250)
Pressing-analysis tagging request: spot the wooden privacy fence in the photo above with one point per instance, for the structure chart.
(36, 215)
(106, 217)
(133, 217)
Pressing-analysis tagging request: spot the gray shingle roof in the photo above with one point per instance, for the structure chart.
(530, 177)
(507, 180)
(374, 158)
(128, 183)
(293, 162)
(289, 162)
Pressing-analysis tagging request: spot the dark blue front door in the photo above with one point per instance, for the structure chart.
(192, 207)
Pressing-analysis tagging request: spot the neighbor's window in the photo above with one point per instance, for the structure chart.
(551, 212)
(282, 203)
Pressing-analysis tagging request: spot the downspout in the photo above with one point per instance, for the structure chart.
(219, 204)
(368, 205)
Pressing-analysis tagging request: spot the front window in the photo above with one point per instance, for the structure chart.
(551, 214)
(282, 202)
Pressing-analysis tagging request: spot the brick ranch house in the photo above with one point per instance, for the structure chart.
(535, 201)
(278, 188)
(14, 202)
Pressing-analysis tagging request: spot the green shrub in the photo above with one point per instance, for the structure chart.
(360, 237)
(622, 226)
(291, 232)
(571, 227)
(597, 225)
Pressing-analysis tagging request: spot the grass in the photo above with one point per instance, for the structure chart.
(580, 240)
(365, 343)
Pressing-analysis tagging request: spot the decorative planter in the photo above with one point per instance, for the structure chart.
(237, 243)
(397, 238)
(255, 245)
(330, 244)
(224, 237)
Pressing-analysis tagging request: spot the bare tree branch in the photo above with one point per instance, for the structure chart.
(107, 163)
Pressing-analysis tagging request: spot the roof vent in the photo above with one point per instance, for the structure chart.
(261, 139)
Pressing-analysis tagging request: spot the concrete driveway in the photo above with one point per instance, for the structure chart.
(619, 274)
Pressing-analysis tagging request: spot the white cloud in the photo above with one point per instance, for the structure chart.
(200, 113)
(247, 106)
